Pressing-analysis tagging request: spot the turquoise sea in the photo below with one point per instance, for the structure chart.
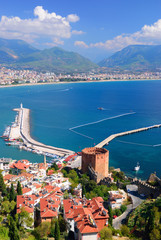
(57, 108)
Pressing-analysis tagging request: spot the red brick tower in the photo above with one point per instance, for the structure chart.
(97, 159)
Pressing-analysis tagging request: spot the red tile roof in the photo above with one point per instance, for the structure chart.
(37, 185)
(90, 215)
(8, 177)
(85, 221)
(41, 166)
(26, 202)
(70, 157)
(21, 165)
(49, 205)
(50, 172)
(26, 190)
(26, 175)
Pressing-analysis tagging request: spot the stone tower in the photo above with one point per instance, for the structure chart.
(95, 161)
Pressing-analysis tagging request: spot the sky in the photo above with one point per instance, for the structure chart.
(94, 28)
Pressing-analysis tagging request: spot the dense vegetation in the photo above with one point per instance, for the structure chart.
(89, 187)
(145, 221)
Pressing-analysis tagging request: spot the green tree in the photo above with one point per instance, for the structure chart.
(125, 230)
(42, 230)
(57, 231)
(151, 221)
(13, 232)
(83, 190)
(3, 232)
(106, 233)
(118, 212)
(110, 215)
(12, 194)
(73, 175)
(2, 186)
(24, 219)
(157, 216)
(62, 224)
(66, 194)
(123, 208)
(155, 234)
(19, 189)
(91, 185)
(52, 227)
(55, 166)
(7, 207)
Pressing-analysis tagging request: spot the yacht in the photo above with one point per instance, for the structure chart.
(137, 168)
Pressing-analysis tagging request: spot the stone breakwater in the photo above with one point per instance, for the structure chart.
(22, 130)
(110, 138)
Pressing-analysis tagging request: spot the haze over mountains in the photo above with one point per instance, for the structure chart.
(19, 54)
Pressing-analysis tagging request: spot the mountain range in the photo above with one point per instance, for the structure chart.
(19, 54)
(135, 58)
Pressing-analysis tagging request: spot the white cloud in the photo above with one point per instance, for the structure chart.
(153, 31)
(149, 34)
(81, 44)
(72, 18)
(44, 24)
(76, 32)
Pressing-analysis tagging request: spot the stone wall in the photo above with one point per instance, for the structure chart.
(146, 189)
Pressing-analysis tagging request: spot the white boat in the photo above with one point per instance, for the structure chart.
(137, 168)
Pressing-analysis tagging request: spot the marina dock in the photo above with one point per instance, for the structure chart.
(111, 137)
(21, 130)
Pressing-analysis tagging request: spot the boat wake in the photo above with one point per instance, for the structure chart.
(65, 90)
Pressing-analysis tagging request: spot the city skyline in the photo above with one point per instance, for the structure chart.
(93, 29)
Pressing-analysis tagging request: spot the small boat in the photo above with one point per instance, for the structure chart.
(137, 168)
(100, 108)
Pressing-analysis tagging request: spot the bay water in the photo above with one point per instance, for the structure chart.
(57, 108)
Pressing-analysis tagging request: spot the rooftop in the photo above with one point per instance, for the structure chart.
(94, 150)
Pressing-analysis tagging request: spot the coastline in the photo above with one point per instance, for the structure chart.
(70, 82)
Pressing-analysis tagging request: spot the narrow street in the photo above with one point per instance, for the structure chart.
(136, 201)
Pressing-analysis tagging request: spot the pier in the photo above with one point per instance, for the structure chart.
(111, 137)
(22, 130)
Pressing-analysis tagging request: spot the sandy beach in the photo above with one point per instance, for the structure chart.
(53, 83)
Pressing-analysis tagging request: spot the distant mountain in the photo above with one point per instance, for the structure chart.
(135, 57)
(15, 49)
(57, 60)
(19, 54)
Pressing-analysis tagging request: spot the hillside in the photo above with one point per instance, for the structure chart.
(21, 55)
(135, 57)
(14, 49)
(57, 60)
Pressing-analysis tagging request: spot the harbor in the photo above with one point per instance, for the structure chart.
(19, 134)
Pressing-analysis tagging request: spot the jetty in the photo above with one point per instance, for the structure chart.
(111, 137)
(21, 130)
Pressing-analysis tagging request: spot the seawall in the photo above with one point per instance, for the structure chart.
(23, 131)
